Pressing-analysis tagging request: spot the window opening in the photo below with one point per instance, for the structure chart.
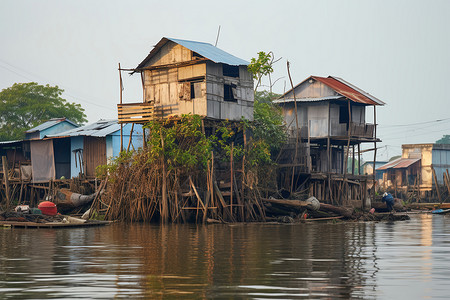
(230, 71)
(229, 92)
(196, 89)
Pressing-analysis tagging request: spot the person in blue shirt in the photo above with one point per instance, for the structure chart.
(389, 201)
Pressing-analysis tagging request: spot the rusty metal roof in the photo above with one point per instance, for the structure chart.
(342, 88)
(348, 90)
(399, 163)
(287, 100)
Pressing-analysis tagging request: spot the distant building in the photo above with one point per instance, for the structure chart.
(415, 167)
(51, 126)
(182, 77)
(367, 169)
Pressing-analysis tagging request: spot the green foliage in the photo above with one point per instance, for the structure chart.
(101, 171)
(268, 125)
(25, 105)
(444, 140)
(265, 96)
(181, 144)
(261, 66)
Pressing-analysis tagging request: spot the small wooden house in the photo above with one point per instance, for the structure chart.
(51, 126)
(367, 168)
(326, 117)
(420, 166)
(79, 151)
(187, 77)
(18, 153)
(329, 115)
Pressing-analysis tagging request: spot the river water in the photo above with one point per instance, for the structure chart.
(385, 260)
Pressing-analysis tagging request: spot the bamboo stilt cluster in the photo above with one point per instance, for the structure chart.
(185, 175)
(148, 192)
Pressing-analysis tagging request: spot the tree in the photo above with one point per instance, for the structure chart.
(262, 66)
(265, 96)
(26, 105)
(268, 125)
(444, 140)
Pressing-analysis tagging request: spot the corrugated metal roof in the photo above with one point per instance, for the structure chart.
(48, 124)
(309, 99)
(10, 142)
(399, 163)
(373, 98)
(204, 49)
(342, 87)
(100, 128)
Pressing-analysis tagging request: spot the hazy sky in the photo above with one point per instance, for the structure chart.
(399, 51)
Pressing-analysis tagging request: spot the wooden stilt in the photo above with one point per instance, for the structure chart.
(6, 181)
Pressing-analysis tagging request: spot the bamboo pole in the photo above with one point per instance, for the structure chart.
(375, 149)
(131, 136)
(243, 169)
(231, 177)
(121, 125)
(437, 184)
(447, 182)
(164, 210)
(6, 180)
(296, 128)
(348, 144)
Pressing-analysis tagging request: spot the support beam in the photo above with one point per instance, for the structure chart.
(6, 180)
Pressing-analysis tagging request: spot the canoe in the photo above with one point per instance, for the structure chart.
(14, 224)
(440, 211)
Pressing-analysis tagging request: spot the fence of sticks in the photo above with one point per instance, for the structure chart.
(148, 187)
(142, 191)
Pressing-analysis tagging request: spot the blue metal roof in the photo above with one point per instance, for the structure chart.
(100, 128)
(48, 124)
(204, 49)
(211, 52)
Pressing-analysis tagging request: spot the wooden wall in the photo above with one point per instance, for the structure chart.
(172, 88)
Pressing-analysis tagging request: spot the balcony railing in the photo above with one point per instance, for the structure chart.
(319, 129)
(136, 112)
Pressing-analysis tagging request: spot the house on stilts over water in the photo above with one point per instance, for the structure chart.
(326, 118)
(181, 77)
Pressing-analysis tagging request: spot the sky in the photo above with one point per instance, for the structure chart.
(398, 51)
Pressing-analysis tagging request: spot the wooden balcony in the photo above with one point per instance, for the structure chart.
(140, 113)
(319, 129)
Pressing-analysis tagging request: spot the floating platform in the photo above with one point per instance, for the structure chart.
(15, 224)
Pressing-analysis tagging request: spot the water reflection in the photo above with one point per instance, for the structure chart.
(345, 260)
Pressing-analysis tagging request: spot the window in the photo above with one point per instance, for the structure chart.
(230, 71)
(190, 90)
(196, 89)
(229, 92)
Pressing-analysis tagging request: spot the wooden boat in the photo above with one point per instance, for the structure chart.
(15, 224)
(440, 211)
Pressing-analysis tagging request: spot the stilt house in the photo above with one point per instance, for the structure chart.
(187, 77)
(418, 169)
(84, 148)
(327, 122)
